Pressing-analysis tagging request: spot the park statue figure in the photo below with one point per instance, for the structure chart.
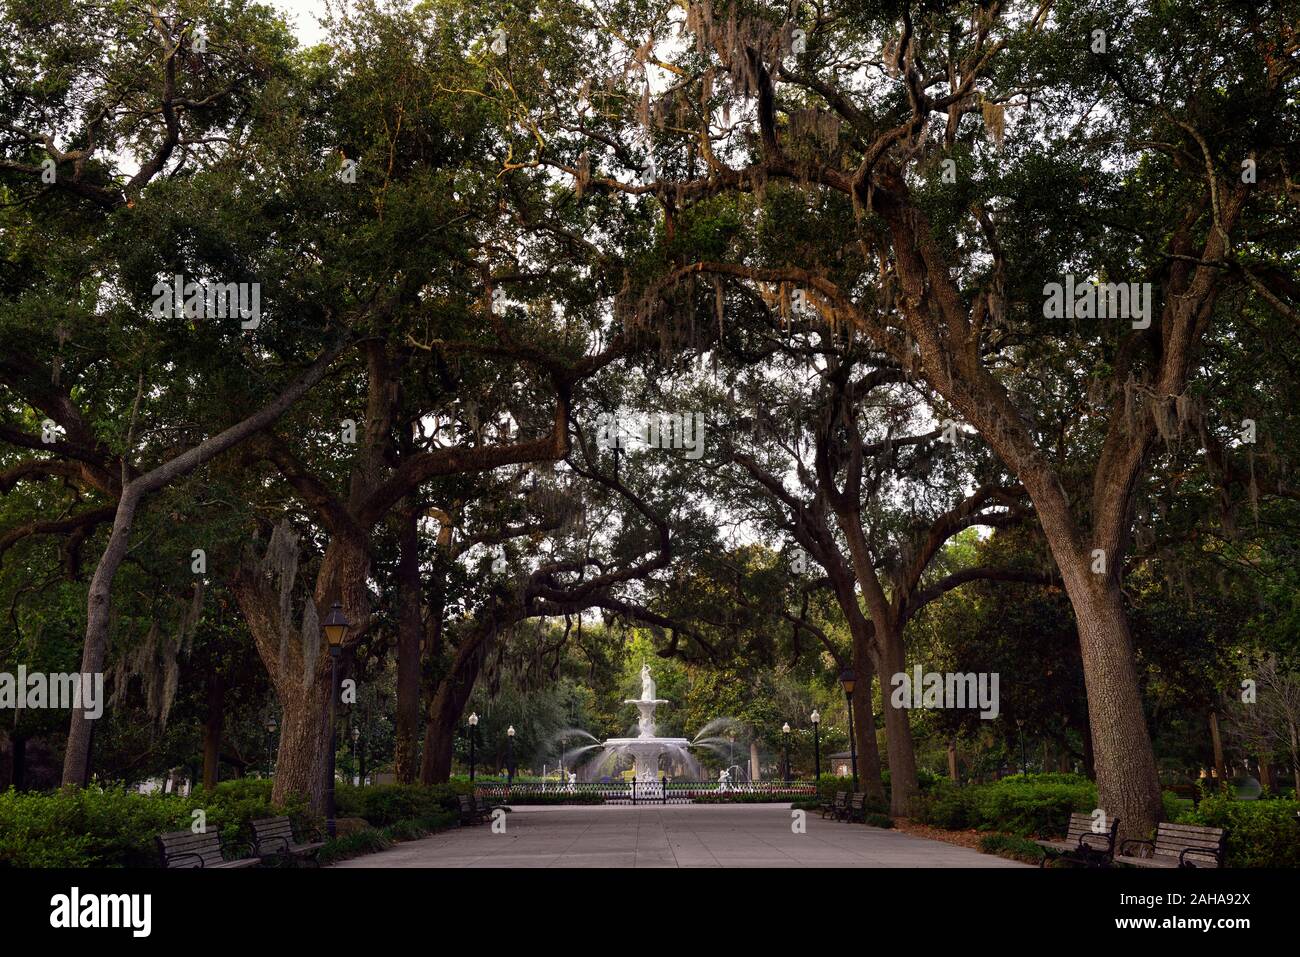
(647, 684)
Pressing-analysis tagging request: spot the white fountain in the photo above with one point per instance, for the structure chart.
(646, 748)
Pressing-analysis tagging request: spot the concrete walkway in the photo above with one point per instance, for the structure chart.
(688, 835)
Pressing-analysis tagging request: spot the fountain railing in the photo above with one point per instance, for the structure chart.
(647, 792)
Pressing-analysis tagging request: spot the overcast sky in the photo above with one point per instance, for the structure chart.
(302, 15)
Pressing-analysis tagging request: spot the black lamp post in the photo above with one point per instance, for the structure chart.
(356, 738)
(817, 746)
(731, 750)
(785, 735)
(336, 631)
(848, 680)
(473, 733)
(510, 756)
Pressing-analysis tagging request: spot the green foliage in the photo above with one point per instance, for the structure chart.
(233, 805)
(1259, 833)
(1013, 846)
(114, 827)
(369, 840)
(86, 828)
(366, 841)
(951, 808)
(1036, 804)
(742, 797)
(387, 804)
(579, 797)
(878, 820)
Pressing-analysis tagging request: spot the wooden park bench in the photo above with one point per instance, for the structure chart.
(485, 807)
(1082, 844)
(470, 811)
(834, 807)
(1177, 845)
(273, 837)
(857, 809)
(206, 850)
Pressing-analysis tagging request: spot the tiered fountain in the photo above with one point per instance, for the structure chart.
(646, 748)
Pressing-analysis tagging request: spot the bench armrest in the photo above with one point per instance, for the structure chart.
(1215, 854)
(271, 841)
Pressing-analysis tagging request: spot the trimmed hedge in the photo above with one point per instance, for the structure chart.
(386, 804)
(523, 797)
(113, 827)
(1262, 833)
(1024, 805)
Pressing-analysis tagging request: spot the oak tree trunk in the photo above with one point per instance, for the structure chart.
(408, 648)
(864, 725)
(1128, 786)
(903, 786)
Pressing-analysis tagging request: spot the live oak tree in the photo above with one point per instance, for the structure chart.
(1179, 127)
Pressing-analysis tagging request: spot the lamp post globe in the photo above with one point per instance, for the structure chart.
(473, 733)
(510, 760)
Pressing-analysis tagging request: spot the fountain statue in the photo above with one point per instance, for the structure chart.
(647, 747)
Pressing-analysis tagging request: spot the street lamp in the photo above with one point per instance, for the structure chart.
(731, 751)
(510, 759)
(336, 631)
(473, 733)
(356, 737)
(848, 679)
(817, 746)
(785, 734)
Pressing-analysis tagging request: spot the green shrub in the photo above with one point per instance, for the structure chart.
(1259, 833)
(1032, 804)
(386, 804)
(75, 827)
(1025, 805)
(113, 827)
(367, 841)
(877, 820)
(233, 805)
(948, 807)
(1013, 846)
(556, 797)
(743, 797)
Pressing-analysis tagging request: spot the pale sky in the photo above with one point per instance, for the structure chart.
(302, 15)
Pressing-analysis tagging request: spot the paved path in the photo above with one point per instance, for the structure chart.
(699, 835)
